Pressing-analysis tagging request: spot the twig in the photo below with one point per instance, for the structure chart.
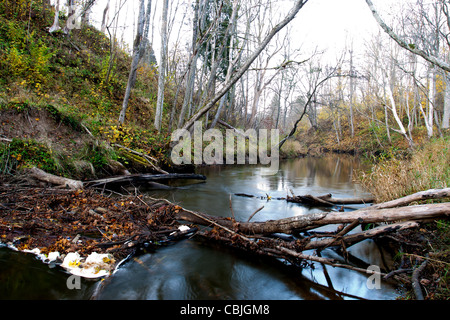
(426, 258)
(396, 272)
(415, 280)
(231, 208)
(206, 219)
(255, 213)
(87, 130)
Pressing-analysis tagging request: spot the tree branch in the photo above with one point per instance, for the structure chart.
(408, 46)
(298, 5)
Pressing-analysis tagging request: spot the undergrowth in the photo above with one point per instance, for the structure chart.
(396, 176)
(426, 168)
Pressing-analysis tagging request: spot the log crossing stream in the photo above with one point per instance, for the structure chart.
(192, 269)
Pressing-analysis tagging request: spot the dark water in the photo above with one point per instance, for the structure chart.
(193, 270)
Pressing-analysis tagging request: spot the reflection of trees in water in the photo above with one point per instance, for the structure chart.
(327, 171)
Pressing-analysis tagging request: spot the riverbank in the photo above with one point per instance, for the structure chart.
(58, 112)
(427, 167)
(123, 208)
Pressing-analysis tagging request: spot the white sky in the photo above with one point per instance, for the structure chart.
(326, 24)
(322, 23)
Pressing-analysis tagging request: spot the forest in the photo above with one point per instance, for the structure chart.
(93, 89)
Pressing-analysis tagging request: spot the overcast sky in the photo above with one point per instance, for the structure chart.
(326, 24)
(321, 23)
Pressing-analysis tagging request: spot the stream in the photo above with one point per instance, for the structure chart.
(194, 270)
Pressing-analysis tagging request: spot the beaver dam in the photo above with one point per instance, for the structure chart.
(90, 230)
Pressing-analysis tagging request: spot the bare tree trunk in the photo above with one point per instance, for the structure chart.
(397, 119)
(135, 61)
(446, 116)
(431, 102)
(55, 26)
(352, 127)
(105, 15)
(162, 67)
(192, 68)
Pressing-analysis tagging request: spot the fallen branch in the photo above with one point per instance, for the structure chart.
(418, 196)
(360, 236)
(327, 261)
(328, 200)
(416, 282)
(323, 201)
(146, 157)
(143, 178)
(43, 176)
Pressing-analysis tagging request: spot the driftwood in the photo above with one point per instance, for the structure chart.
(43, 176)
(419, 196)
(142, 178)
(62, 182)
(259, 237)
(326, 200)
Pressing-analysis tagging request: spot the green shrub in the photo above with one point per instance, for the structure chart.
(20, 154)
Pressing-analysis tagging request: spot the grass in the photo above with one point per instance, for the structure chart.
(393, 177)
(426, 168)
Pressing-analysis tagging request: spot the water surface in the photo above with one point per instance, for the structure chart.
(192, 269)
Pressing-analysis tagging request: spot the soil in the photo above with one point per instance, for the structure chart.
(42, 126)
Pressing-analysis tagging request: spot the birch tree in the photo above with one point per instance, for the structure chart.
(134, 62)
(162, 67)
(438, 21)
(55, 26)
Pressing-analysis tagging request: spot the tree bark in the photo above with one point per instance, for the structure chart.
(162, 67)
(43, 176)
(135, 61)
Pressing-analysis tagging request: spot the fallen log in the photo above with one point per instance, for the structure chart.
(418, 196)
(43, 176)
(315, 220)
(328, 200)
(142, 179)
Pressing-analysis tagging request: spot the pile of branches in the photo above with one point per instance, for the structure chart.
(84, 221)
(289, 238)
